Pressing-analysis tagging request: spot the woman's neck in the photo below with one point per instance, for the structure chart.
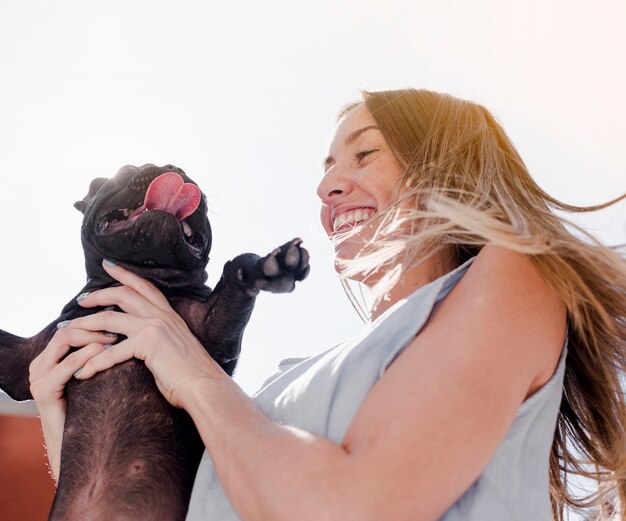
(423, 273)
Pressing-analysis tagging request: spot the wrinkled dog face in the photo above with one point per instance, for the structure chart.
(148, 216)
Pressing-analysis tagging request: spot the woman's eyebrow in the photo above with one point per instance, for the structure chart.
(349, 140)
(353, 137)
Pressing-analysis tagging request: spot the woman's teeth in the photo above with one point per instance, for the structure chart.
(352, 218)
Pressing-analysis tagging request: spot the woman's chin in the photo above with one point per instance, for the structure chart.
(346, 260)
(346, 252)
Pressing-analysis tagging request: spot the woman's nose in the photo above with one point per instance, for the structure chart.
(333, 184)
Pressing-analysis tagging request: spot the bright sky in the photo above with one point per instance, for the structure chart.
(243, 96)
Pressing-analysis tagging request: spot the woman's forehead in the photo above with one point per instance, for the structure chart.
(355, 118)
(350, 124)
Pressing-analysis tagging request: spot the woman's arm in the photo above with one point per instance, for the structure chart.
(424, 432)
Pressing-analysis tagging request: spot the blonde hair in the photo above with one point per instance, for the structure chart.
(470, 188)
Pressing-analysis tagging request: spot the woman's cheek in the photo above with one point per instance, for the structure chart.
(325, 219)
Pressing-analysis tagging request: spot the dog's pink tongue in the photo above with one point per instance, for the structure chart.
(170, 193)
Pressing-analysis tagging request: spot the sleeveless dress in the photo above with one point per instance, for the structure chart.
(321, 394)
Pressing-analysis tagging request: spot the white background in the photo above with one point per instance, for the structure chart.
(243, 96)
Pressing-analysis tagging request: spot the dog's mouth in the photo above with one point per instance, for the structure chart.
(167, 193)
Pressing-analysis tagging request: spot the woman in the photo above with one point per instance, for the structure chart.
(491, 324)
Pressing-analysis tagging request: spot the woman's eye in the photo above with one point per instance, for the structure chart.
(359, 156)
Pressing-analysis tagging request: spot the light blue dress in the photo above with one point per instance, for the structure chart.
(322, 394)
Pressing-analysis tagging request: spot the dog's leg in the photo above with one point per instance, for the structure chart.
(16, 354)
(230, 305)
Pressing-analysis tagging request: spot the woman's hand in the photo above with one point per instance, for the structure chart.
(50, 372)
(155, 333)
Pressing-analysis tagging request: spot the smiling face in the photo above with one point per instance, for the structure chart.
(361, 173)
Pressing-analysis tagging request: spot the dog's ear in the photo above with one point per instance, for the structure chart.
(95, 185)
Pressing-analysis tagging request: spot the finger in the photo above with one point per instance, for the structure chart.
(60, 344)
(105, 360)
(114, 321)
(125, 297)
(52, 384)
(139, 284)
(75, 361)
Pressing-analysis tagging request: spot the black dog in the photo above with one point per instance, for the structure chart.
(127, 454)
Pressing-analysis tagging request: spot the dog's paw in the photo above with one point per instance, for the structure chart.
(277, 272)
(283, 266)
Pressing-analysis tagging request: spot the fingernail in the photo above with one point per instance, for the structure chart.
(107, 346)
(63, 324)
(82, 296)
(112, 335)
(77, 373)
(107, 262)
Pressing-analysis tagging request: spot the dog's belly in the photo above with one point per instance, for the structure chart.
(127, 454)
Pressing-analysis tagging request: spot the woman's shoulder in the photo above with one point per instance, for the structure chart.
(506, 295)
(502, 259)
(515, 281)
(501, 273)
